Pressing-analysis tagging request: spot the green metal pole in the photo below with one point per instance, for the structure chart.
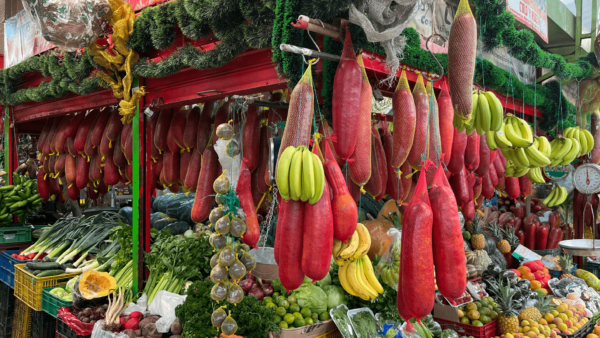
(594, 22)
(136, 193)
(579, 10)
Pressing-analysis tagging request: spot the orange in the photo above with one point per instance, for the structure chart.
(523, 270)
(535, 284)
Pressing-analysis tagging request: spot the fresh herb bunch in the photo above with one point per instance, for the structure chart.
(253, 319)
(124, 236)
(384, 304)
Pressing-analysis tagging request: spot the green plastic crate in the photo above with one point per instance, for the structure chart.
(17, 234)
(51, 303)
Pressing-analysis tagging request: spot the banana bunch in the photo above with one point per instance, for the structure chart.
(564, 150)
(355, 248)
(390, 270)
(486, 114)
(358, 279)
(535, 175)
(557, 196)
(300, 175)
(584, 137)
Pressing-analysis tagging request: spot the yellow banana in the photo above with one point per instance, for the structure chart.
(564, 149)
(470, 128)
(308, 176)
(514, 136)
(583, 142)
(475, 103)
(343, 274)
(362, 280)
(296, 175)
(337, 246)
(537, 156)
(351, 277)
(283, 172)
(370, 274)
(364, 241)
(490, 139)
(545, 147)
(525, 128)
(500, 138)
(349, 251)
(496, 110)
(520, 172)
(550, 197)
(485, 116)
(319, 175)
(520, 158)
(568, 132)
(590, 140)
(572, 154)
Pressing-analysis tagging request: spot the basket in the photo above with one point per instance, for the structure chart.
(19, 234)
(65, 331)
(582, 332)
(557, 273)
(42, 325)
(331, 334)
(21, 325)
(29, 288)
(51, 303)
(486, 331)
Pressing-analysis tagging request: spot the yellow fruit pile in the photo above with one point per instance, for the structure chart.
(356, 271)
(478, 313)
(564, 319)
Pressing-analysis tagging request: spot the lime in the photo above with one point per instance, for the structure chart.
(308, 321)
(280, 312)
(294, 308)
(485, 319)
(292, 300)
(298, 315)
(270, 305)
(284, 304)
(484, 303)
(279, 299)
(292, 327)
(324, 316)
(465, 320)
(299, 322)
(277, 319)
(314, 316)
(267, 300)
(306, 312)
(275, 294)
(289, 318)
(283, 325)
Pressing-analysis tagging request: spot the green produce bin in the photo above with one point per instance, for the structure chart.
(18, 234)
(51, 303)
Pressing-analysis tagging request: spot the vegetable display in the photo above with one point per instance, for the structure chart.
(20, 199)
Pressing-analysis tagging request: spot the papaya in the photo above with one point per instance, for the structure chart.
(44, 134)
(71, 169)
(118, 155)
(73, 192)
(184, 163)
(171, 166)
(590, 279)
(83, 172)
(111, 172)
(99, 127)
(42, 185)
(204, 190)
(193, 171)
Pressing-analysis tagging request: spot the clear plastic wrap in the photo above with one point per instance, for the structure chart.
(389, 265)
(69, 24)
(164, 305)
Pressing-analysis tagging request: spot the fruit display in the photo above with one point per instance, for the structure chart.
(478, 313)
(19, 199)
(557, 196)
(289, 314)
(537, 274)
(300, 175)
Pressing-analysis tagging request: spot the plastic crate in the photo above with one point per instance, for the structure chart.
(557, 273)
(42, 325)
(8, 262)
(15, 246)
(582, 332)
(65, 331)
(51, 303)
(6, 323)
(7, 298)
(20, 234)
(486, 331)
(7, 277)
(21, 325)
(29, 288)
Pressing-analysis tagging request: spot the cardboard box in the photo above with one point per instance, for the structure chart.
(446, 312)
(308, 331)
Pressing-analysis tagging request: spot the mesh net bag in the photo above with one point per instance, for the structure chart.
(419, 151)
(404, 121)
(434, 141)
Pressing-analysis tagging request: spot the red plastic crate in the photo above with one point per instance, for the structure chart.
(486, 331)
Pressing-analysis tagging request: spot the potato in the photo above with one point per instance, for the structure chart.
(176, 328)
(150, 331)
(145, 322)
(130, 333)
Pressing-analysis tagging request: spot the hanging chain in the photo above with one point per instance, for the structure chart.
(267, 221)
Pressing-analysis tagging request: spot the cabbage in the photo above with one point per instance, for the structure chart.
(70, 284)
(312, 297)
(335, 296)
(325, 281)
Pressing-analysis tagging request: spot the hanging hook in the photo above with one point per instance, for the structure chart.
(432, 55)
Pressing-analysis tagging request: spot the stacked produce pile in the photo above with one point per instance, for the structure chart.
(478, 313)
(19, 199)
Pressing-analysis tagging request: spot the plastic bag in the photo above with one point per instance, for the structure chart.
(408, 330)
(98, 332)
(141, 306)
(81, 329)
(164, 305)
(389, 265)
(549, 263)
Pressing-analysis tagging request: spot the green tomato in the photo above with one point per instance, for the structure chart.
(280, 312)
(299, 322)
(283, 325)
(324, 316)
(306, 312)
(267, 300)
(294, 308)
(289, 318)
(298, 315)
(308, 321)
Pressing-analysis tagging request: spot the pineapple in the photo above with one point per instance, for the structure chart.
(508, 320)
(566, 264)
(511, 237)
(477, 238)
(534, 313)
(501, 243)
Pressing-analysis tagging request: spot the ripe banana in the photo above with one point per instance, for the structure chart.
(349, 251)
(534, 175)
(368, 270)
(516, 133)
(590, 141)
(364, 241)
(337, 246)
(319, 175)
(520, 172)
(520, 158)
(562, 149)
(362, 280)
(536, 157)
(544, 146)
(343, 274)
(283, 172)
(550, 197)
(296, 175)
(352, 278)
(525, 129)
